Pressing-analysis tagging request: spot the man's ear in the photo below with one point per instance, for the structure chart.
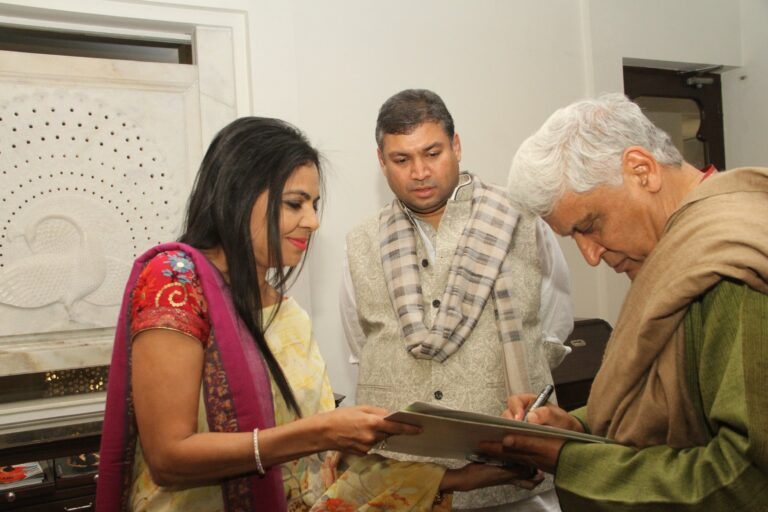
(639, 165)
(456, 144)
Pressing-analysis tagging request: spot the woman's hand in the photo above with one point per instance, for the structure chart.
(475, 476)
(547, 414)
(358, 429)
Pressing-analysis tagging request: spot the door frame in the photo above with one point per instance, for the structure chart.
(640, 81)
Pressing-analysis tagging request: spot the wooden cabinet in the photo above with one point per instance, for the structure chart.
(61, 490)
(573, 378)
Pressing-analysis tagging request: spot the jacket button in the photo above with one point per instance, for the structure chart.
(438, 395)
(425, 263)
(435, 303)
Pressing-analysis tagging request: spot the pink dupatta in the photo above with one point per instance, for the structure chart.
(236, 391)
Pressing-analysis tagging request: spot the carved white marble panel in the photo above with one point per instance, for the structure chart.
(96, 160)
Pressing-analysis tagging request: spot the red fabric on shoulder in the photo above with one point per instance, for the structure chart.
(168, 295)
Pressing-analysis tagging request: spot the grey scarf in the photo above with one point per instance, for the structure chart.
(478, 271)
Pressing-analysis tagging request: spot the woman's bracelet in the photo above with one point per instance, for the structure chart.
(256, 455)
(440, 497)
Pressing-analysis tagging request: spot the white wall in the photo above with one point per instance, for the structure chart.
(502, 67)
(745, 114)
(486, 59)
(704, 32)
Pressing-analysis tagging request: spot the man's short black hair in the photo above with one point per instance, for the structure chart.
(408, 109)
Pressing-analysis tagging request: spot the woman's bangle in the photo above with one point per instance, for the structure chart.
(256, 455)
(440, 497)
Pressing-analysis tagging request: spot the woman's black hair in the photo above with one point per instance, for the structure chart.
(249, 156)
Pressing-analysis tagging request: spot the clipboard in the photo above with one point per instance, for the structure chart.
(454, 434)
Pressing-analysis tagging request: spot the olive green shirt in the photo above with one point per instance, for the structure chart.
(726, 336)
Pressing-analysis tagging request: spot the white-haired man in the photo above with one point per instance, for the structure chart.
(682, 385)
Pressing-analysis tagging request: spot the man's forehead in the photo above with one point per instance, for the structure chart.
(424, 135)
(555, 223)
(567, 213)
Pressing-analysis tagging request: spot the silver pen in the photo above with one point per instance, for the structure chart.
(540, 400)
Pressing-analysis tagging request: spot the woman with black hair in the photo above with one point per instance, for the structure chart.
(218, 397)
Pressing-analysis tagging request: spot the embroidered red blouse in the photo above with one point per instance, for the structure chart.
(168, 295)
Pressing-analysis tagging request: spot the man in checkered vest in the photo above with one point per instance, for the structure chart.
(450, 295)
